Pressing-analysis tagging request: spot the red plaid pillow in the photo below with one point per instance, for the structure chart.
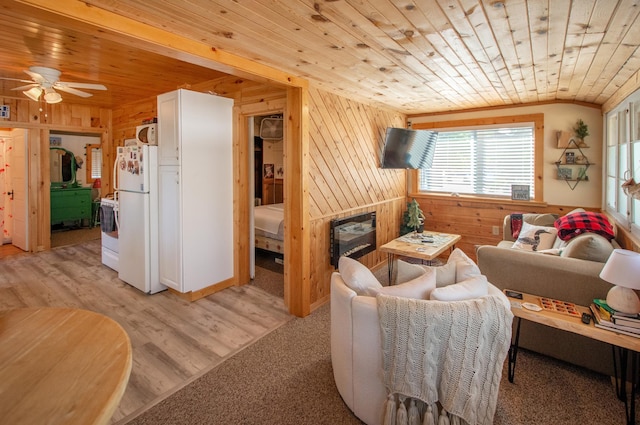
(577, 223)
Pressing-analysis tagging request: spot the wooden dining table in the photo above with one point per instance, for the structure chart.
(61, 366)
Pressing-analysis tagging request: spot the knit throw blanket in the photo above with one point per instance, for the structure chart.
(446, 352)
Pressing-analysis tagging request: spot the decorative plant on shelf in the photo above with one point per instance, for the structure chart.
(412, 219)
(581, 131)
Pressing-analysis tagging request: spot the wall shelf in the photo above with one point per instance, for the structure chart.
(569, 164)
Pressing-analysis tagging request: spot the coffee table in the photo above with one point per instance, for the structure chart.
(425, 246)
(624, 344)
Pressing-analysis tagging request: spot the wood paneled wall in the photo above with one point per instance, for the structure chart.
(39, 119)
(474, 218)
(346, 139)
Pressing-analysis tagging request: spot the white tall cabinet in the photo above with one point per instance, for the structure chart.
(195, 159)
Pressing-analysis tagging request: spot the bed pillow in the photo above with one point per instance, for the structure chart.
(419, 288)
(588, 246)
(470, 288)
(358, 277)
(535, 238)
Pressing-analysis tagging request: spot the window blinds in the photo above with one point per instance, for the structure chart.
(481, 161)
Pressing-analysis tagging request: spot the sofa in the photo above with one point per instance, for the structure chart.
(568, 271)
(356, 342)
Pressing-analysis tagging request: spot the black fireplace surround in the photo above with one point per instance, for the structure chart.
(352, 236)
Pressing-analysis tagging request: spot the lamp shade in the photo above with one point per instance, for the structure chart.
(51, 96)
(622, 269)
(33, 93)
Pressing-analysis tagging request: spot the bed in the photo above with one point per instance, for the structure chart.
(269, 227)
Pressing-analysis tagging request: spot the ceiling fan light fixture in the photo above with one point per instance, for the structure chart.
(51, 96)
(33, 93)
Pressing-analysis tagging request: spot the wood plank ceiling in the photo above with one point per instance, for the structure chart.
(412, 56)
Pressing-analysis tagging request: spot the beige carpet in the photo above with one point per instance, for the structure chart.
(286, 378)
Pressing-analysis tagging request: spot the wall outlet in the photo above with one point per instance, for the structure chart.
(495, 230)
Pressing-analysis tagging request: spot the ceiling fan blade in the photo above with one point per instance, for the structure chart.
(73, 91)
(36, 77)
(79, 85)
(16, 79)
(27, 87)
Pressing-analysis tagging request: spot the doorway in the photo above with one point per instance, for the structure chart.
(266, 142)
(74, 218)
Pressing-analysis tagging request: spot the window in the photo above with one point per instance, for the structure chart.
(623, 161)
(94, 162)
(484, 159)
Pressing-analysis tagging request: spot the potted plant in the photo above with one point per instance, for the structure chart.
(413, 218)
(581, 131)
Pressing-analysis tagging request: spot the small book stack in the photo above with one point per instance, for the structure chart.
(607, 318)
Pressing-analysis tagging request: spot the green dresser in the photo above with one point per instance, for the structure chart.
(70, 204)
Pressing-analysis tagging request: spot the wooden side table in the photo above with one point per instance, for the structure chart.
(61, 366)
(622, 345)
(422, 248)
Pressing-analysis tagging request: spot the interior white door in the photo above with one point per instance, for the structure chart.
(19, 186)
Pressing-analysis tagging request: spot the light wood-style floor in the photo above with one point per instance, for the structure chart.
(173, 341)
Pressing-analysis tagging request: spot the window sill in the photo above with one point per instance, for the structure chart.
(476, 198)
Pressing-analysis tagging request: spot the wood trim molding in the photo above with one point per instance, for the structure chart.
(537, 119)
(297, 247)
(146, 37)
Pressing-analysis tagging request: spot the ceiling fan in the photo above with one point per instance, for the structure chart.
(46, 80)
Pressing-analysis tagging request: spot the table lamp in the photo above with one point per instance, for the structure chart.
(622, 269)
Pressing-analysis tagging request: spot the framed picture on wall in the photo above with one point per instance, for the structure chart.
(570, 157)
(564, 173)
(268, 171)
(279, 171)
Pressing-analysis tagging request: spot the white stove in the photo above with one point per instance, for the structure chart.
(109, 228)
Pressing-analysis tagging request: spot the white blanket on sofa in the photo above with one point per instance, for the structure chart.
(446, 352)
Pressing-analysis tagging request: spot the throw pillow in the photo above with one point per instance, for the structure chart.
(545, 220)
(407, 271)
(446, 275)
(358, 277)
(535, 238)
(419, 288)
(588, 246)
(459, 267)
(465, 267)
(472, 287)
(576, 223)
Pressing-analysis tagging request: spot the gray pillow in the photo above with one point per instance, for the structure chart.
(588, 246)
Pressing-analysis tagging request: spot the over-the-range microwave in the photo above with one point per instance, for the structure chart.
(147, 134)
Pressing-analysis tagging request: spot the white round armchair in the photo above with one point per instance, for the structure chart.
(356, 341)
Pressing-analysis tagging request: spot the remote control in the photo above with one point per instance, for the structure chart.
(586, 318)
(513, 294)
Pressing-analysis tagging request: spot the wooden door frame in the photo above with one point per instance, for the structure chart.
(158, 40)
(296, 206)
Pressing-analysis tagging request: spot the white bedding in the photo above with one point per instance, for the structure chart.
(269, 221)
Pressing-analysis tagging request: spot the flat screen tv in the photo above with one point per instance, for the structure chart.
(404, 148)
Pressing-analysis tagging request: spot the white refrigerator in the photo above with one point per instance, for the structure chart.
(137, 193)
